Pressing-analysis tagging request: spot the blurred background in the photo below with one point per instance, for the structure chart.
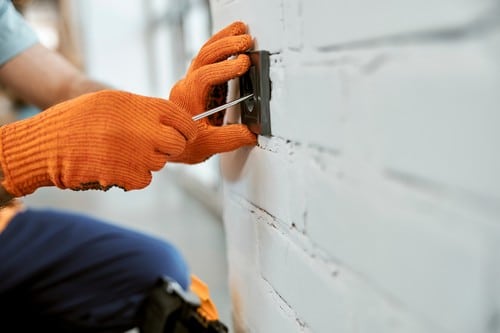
(372, 207)
(142, 46)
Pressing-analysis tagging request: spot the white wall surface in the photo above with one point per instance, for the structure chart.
(375, 204)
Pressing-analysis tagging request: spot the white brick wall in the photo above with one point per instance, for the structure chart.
(375, 205)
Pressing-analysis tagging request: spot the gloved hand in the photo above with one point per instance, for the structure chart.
(95, 141)
(209, 68)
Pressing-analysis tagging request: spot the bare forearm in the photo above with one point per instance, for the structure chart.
(43, 77)
(81, 84)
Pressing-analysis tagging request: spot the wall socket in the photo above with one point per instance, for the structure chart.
(255, 111)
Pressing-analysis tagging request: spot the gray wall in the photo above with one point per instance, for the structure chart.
(375, 204)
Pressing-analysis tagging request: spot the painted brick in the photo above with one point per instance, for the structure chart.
(307, 291)
(264, 19)
(271, 314)
(401, 109)
(293, 24)
(314, 116)
(329, 22)
(269, 181)
(327, 301)
(425, 133)
(408, 252)
(241, 235)
(256, 307)
(383, 258)
(377, 196)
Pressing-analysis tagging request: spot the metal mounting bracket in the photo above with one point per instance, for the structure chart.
(255, 111)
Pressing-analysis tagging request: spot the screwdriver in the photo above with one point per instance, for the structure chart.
(222, 107)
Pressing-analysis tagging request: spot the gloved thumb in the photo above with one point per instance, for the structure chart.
(227, 138)
(213, 140)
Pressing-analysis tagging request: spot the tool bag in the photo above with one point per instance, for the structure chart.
(170, 309)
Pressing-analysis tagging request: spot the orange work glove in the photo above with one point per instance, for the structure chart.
(95, 141)
(211, 67)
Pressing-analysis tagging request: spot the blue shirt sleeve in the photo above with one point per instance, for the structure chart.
(15, 33)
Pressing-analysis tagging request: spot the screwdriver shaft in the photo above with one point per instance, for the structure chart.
(222, 107)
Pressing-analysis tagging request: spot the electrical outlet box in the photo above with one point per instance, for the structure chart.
(255, 111)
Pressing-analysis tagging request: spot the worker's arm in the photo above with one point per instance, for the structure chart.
(43, 77)
(113, 138)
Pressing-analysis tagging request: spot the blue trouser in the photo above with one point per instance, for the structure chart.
(66, 272)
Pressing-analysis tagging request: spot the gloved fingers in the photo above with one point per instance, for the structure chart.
(121, 178)
(169, 141)
(223, 49)
(234, 29)
(139, 182)
(207, 76)
(227, 138)
(180, 120)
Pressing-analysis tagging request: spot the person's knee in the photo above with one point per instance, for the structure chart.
(162, 259)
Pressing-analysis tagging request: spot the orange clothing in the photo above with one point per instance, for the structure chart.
(8, 212)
